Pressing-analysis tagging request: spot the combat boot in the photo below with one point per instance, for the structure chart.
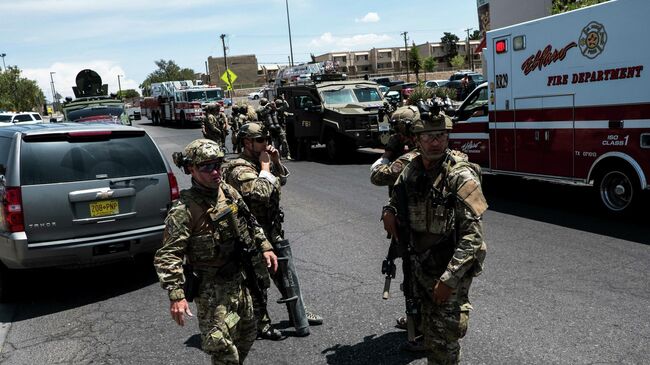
(313, 319)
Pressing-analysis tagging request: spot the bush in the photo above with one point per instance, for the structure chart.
(420, 92)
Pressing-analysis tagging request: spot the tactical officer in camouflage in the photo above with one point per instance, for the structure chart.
(209, 227)
(439, 201)
(385, 170)
(215, 125)
(258, 175)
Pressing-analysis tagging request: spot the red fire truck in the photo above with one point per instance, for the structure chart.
(169, 101)
(567, 99)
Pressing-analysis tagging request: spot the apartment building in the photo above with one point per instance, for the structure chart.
(389, 60)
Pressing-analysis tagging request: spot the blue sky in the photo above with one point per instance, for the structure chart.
(125, 37)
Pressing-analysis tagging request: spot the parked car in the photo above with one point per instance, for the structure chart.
(22, 118)
(261, 93)
(432, 84)
(76, 194)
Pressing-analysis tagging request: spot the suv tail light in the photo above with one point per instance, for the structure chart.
(12, 209)
(173, 186)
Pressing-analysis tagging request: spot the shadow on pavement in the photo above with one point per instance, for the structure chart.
(358, 157)
(53, 290)
(194, 341)
(575, 207)
(372, 350)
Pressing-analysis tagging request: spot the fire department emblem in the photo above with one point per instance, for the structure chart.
(592, 40)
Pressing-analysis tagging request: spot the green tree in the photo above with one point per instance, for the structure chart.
(476, 35)
(415, 61)
(429, 64)
(128, 94)
(561, 6)
(458, 61)
(19, 93)
(449, 41)
(167, 71)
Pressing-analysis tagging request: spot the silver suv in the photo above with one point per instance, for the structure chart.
(75, 194)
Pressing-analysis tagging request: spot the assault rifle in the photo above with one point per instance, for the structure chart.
(404, 241)
(388, 266)
(246, 253)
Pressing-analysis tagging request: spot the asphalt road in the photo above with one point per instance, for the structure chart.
(563, 284)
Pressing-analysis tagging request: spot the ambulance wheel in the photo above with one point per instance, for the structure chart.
(618, 187)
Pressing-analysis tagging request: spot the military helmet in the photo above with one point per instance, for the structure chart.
(203, 150)
(403, 118)
(263, 101)
(435, 123)
(252, 130)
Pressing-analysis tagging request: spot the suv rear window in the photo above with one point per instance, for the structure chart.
(60, 158)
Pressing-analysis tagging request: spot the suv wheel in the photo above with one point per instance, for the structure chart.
(255, 97)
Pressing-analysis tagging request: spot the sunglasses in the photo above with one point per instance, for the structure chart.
(209, 167)
(261, 139)
(428, 137)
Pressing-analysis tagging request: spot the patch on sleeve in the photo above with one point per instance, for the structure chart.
(473, 197)
(397, 167)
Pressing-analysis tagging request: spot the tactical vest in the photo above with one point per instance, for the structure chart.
(213, 238)
(268, 215)
(433, 222)
(432, 202)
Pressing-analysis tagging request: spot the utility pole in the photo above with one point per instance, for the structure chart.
(286, 2)
(468, 51)
(207, 72)
(406, 52)
(225, 63)
(119, 87)
(53, 92)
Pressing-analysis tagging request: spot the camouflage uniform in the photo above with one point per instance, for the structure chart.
(245, 114)
(385, 174)
(282, 106)
(193, 232)
(384, 171)
(261, 191)
(213, 128)
(444, 214)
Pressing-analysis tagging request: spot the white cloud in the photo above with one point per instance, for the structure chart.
(368, 18)
(66, 73)
(355, 41)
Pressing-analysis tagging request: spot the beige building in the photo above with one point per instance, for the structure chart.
(244, 66)
(392, 60)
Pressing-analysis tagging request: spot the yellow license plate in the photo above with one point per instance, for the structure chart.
(104, 207)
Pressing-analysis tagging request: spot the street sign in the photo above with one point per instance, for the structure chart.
(229, 78)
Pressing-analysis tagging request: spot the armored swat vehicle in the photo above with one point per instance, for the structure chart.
(342, 114)
(92, 102)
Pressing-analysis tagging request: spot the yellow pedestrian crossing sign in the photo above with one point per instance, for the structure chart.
(229, 78)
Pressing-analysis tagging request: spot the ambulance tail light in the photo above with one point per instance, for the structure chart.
(501, 46)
